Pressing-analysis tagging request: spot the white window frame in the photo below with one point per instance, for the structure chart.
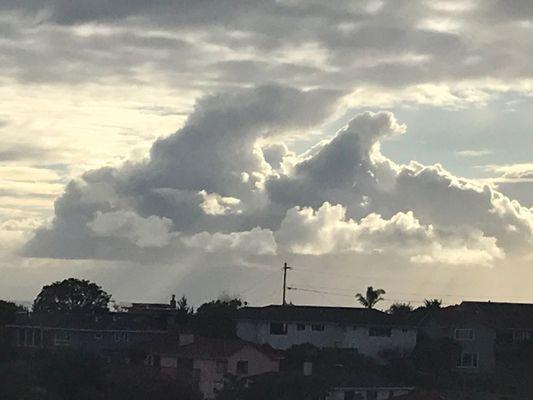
(464, 339)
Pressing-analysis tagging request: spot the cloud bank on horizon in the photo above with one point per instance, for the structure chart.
(226, 182)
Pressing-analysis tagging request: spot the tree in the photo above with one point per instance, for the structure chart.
(371, 298)
(432, 304)
(400, 309)
(72, 296)
(216, 318)
(8, 311)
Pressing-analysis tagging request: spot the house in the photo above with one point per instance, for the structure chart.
(366, 386)
(367, 331)
(100, 334)
(211, 362)
(483, 330)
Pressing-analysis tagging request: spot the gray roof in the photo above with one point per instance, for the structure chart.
(292, 313)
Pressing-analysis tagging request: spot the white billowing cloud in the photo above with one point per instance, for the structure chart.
(151, 231)
(327, 231)
(195, 178)
(215, 204)
(350, 170)
(227, 182)
(256, 241)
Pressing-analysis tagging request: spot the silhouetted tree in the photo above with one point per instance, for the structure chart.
(67, 372)
(72, 296)
(436, 360)
(432, 304)
(371, 298)
(216, 318)
(139, 383)
(8, 311)
(400, 309)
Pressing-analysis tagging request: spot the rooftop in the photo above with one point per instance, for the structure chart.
(293, 313)
(208, 348)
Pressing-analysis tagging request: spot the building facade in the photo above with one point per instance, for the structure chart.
(212, 363)
(368, 332)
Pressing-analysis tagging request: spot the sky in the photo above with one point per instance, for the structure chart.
(192, 147)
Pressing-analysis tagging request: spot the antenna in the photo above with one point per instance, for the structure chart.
(285, 269)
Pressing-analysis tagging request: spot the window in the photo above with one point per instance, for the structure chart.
(464, 334)
(371, 395)
(278, 328)
(468, 360)
(98, 336)
(242, 367)
(379, 331)
(349, 395)
(37, 337)
(30, 337)
(62, 338)
(121, 337)
(300, 327)
(222, 367)
(317, 327)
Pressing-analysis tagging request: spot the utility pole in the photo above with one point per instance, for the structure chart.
(285, 269)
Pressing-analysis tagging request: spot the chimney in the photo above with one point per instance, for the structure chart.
(173, 301)
(307, 368)
(185, 339)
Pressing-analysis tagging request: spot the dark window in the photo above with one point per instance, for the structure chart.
(278, 328)
(464, 334)
(379, 331)
(222, 366)
(121, 337)
(317, 327)
(242, 367)
(468, 360)
(22, 337)
(371, 395)
(185, 363)
(98, 336)
(62, 338)
(300, 327)
(37, 337)
(349, 395)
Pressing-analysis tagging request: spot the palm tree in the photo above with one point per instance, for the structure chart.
(371, 298)
(400, 309)
(432, 304)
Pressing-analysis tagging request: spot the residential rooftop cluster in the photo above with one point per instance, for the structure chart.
(228, 350)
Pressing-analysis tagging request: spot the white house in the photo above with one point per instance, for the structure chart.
(369, 332)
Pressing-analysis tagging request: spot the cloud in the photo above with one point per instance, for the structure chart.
(256, 241)
(473, 153)
(151, 231)
(226, 183)
(327, 231)
(207, 176)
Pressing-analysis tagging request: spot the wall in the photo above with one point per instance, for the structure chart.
(334, 335)
(483, 343)
(209, 379)
(87, 341)
(362, 394)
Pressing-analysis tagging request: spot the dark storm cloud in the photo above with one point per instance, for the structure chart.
(304, 43)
